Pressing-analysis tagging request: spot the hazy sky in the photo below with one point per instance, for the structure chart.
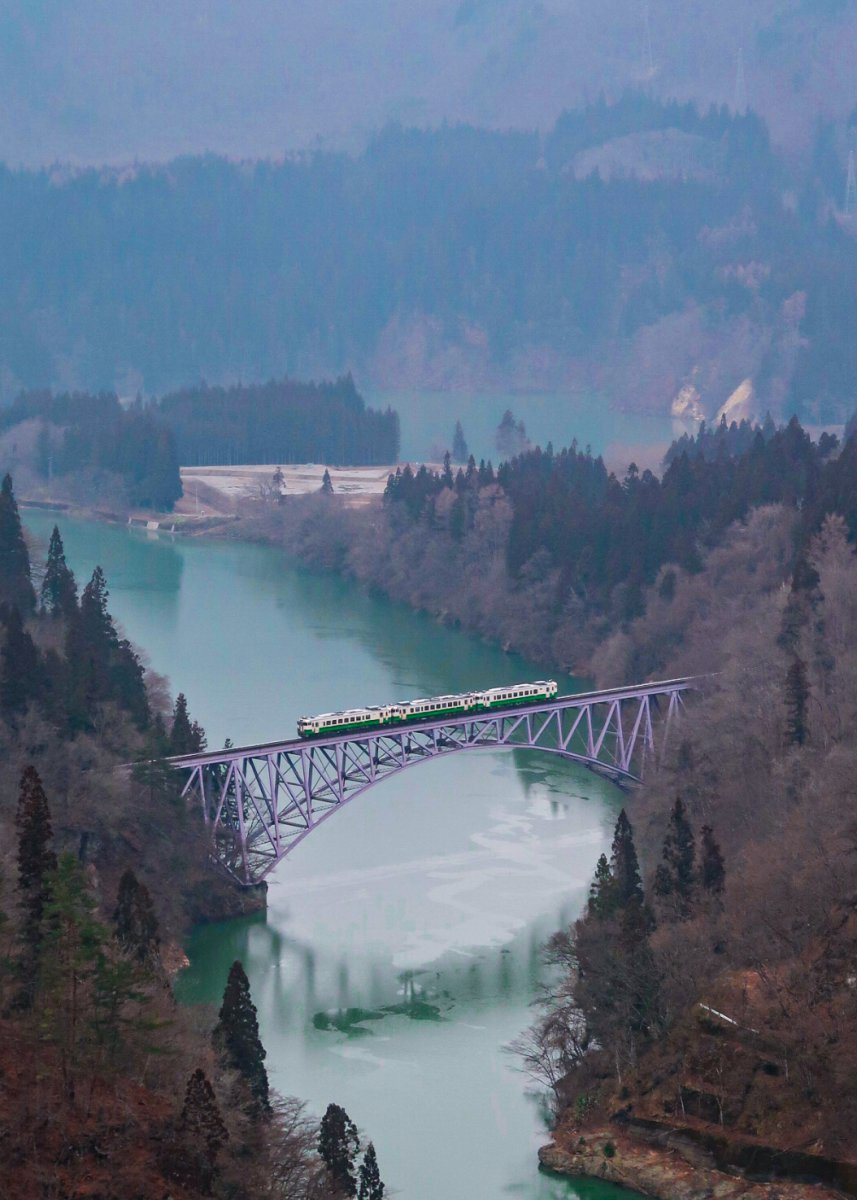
(89, 81)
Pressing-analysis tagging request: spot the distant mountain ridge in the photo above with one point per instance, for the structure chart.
(93, 83)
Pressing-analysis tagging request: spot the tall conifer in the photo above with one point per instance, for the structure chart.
(20, 674)
(59, 590)
(200, 1117)
(338, 1145)
(796, 701)
(15, 584)
(186, 737)
(371, 1187)
(236, 1039)
(36, 860)
(135, 920)
(459, 445)
(675, 875)
(601, 889)
(624, 865)
(712, 871)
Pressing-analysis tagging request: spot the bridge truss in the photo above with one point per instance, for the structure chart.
(260, 802)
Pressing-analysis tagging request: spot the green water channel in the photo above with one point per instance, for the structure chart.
(400, 950)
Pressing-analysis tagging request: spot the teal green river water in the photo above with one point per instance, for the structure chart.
(400, 951)
(428, 421)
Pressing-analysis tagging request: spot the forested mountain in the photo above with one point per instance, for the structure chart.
(94, 83)
(447, 255)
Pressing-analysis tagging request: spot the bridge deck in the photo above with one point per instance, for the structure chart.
(574, 700)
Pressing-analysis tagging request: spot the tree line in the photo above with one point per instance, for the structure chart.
(96, 440)
(281, 421)
(606, 538)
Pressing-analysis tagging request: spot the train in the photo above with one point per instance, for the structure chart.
(427, 709)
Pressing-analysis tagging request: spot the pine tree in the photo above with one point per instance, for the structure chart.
(135, 920)
(59, 590)
(459, 445)
(712, 871)
(338, 1145)
(73, 951)
(797, 701)
(371, 1187)
(200, 1116)
(186, 737)
(600, 892)
(675, 875)
(15, 583)
(36, 861)
(236, 1039)
(20, 672)
(326, 483)
(624, 866)
(89, 646)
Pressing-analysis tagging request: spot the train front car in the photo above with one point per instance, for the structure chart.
(519, 693)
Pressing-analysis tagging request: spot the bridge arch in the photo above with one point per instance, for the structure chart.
(260, 802)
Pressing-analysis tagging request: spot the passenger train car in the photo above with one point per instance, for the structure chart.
(428, 709)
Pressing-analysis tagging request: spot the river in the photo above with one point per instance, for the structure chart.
(400, 951)
(428, 422)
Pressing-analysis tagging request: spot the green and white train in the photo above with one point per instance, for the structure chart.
(432, 708)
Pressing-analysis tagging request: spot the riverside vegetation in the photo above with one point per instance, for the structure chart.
(84, 446)
(108, 1088)
(707, 991)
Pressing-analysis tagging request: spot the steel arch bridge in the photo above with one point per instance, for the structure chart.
(260, 802)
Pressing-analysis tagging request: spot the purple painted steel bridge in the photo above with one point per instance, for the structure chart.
(260, 802)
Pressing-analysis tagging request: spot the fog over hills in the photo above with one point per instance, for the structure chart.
(91, 82)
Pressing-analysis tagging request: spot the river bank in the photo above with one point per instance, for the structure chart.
(661, 1171)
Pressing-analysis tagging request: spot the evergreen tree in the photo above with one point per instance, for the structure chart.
(135, 920)
(20, 671)
(371, 1187)
(236, 1039)
(73, 951)
(90, 642)
(624, 866)
(200, 1116)
(59, 590)
(459, 445)
(797, 701)
(186, 737)
(338, 1145)
(15, 584)
(600, 892)
(36, 861)
(128, 683)
(326, 483)
(675, 875)
(712, 871)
